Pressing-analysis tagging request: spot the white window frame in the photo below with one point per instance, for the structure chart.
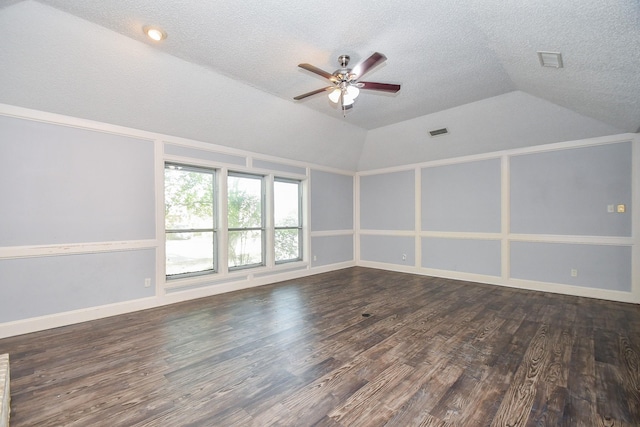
(214, 229)
(299, 227)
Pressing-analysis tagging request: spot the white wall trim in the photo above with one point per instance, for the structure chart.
(417, 250)
(635, 216)
(461, 235)
(587, 240)
(505, 214)
(398, 233)
(11, 252)
(160, 220)
(210, 164)
(356, 219)
(248, 167)
(330, 233)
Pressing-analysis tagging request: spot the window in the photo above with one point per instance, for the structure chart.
(245, 212)
(189, 220)
(287, 201)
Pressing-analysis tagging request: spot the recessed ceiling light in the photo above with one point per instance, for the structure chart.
(550, 59)
(154, 33)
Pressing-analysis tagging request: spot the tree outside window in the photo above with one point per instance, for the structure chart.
(189, 221)
(287, 220)
(245, 220)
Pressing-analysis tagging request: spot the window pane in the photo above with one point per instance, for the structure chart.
(188, 199)
(244, 202)
(189, 252)
(189, 196)
(286, 197)
(287, 245)
(245, 248)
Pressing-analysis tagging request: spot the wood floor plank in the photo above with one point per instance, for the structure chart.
(630, 359)
(432, 352)
(516, 405)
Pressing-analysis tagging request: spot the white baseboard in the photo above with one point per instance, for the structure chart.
(556, 288)
(25, 326)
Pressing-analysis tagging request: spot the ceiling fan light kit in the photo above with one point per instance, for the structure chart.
(346, 85)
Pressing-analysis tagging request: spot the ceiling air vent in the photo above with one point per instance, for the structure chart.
(438, 132)
(550, 59)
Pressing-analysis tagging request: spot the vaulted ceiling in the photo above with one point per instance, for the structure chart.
(446, 54)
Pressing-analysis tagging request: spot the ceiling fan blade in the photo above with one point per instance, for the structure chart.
(363, 67)
(304, 95)
(385, 87)
(318, 71)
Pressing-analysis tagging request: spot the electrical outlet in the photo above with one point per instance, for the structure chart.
(315, 258)
(574, 272)
(404, 257)
(610, 208)
(147, 282)
(620, 208)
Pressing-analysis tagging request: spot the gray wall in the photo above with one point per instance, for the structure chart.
(557, 218)
(32, 287)
(332, 198)
(66, 185)
(598, 266)
(387, 201)
(63, 185)
(326, 250)
(567, 191)
(331, 201)
(465, 255)
(388, 249)
(182, 151)
(462, 197)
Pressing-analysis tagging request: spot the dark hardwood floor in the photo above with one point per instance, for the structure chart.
(433, 352)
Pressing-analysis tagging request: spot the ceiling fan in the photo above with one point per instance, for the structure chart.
(345, 81)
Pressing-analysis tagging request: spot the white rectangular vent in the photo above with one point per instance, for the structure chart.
(438, 132)
(550, 59)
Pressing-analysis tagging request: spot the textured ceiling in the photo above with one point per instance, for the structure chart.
(445, 53)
